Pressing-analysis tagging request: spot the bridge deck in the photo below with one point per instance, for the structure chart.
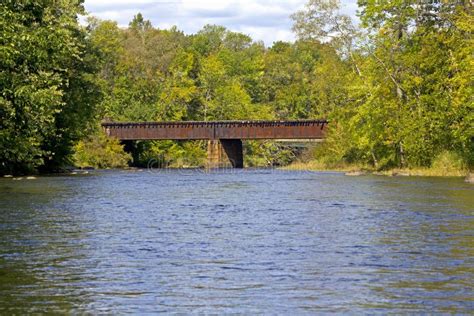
(301, 129)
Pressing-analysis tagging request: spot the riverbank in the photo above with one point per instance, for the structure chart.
(357, 170)
(349, 170)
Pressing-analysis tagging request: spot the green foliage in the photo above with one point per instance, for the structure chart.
(267, 154)
(48, 99)
(100, 151)
(213, 75)
(449, 162)
(409, 97)
(397, 96)
(398, 91)
(172, 154)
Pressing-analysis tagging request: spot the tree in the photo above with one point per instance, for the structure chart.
(179, 90)
(401, 106)
(322, 21)
(414, 45)
(47, 81)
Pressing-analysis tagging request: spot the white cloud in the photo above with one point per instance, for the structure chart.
(266, 20)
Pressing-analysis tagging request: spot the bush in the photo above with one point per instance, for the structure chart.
(100, 151)
(449, 163)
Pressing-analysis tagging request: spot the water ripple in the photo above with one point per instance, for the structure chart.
(251, 241)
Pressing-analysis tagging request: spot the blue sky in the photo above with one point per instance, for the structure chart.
(266, 20)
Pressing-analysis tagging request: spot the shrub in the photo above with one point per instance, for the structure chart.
(100, 151)
(449, 163)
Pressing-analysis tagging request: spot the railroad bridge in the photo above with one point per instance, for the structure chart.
(224, 137)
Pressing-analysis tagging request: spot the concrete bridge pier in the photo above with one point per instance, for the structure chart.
(225, 153)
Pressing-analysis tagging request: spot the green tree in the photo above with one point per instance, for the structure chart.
(415, 48)
(409, 96)
(47, 82)
(100, 151)
(179, 90)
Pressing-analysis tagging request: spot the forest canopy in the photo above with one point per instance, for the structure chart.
(397, 89)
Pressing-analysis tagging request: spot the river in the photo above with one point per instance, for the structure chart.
(235, 241)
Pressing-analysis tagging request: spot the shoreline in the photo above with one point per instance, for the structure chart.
(354, 170)
(349, 170)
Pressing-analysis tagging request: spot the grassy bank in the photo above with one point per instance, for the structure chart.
(445, 164)
(438, 171)
(319, 166)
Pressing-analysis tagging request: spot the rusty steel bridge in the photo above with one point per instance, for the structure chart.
(224, 137)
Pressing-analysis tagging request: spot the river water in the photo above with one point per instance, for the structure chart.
(235, 241)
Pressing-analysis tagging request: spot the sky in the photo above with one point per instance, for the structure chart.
(266, 20)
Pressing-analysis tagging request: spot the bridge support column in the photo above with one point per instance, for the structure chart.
(225, 153)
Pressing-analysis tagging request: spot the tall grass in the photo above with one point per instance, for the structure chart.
(446, 164)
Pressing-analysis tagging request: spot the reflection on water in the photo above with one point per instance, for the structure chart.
(241, 242)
